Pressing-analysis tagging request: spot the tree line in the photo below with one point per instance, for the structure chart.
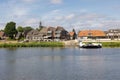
(11, 31)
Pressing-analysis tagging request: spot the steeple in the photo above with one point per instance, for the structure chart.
(40, 25)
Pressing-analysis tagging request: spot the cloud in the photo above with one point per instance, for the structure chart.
(96, 22)
(81, 20)
(55, 11)
(31, 22)
(83, 11)
(56, 1)
(2, 25)
(70, 16)
(54, 14)
(59, 18)
(29, 12)
(29, 1)
(20, 12)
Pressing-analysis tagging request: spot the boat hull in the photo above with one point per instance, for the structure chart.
(91, 46)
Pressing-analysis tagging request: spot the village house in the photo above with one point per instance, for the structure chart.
(33, 35)
(51, 33)
(61, 34)
(73, 35)
(91, 34)
(19, 35)
(2, 35)
(113, 34)
(43, 33)
(48, 34)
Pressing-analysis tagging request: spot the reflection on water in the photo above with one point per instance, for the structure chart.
(59, 64)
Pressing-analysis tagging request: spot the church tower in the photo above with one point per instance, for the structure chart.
(40, 25)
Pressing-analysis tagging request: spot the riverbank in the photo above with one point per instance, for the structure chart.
(70, 43)
(110, 44)
(32, 44)
(104, 43)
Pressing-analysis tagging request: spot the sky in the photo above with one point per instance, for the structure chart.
(77, 14)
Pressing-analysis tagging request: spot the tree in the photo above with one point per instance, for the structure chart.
(20, 29)
(37, 29)
(27, 29)
(10, 30)
(2, 30)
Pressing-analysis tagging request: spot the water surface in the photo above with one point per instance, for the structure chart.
(59, 64)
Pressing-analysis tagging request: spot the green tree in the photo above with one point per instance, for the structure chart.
(26, 30)
(10, 30)
(20, 29)
(2, 30)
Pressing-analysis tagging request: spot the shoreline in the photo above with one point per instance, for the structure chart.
(70, 43)
(109, 44)
(32, 44)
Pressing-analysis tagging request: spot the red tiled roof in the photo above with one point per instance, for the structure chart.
(71, 33)
(93, 33)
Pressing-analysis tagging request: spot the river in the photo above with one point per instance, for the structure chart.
(59, 64)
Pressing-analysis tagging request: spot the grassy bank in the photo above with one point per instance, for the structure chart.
(32, 44)
(111, 44)
(49, 44)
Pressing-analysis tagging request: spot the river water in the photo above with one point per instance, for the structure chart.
(59, 64)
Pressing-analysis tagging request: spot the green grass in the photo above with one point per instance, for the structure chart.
(50, 44)
(33, 44)
(111, 44)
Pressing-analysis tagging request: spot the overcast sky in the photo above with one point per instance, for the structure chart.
(78, 14)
